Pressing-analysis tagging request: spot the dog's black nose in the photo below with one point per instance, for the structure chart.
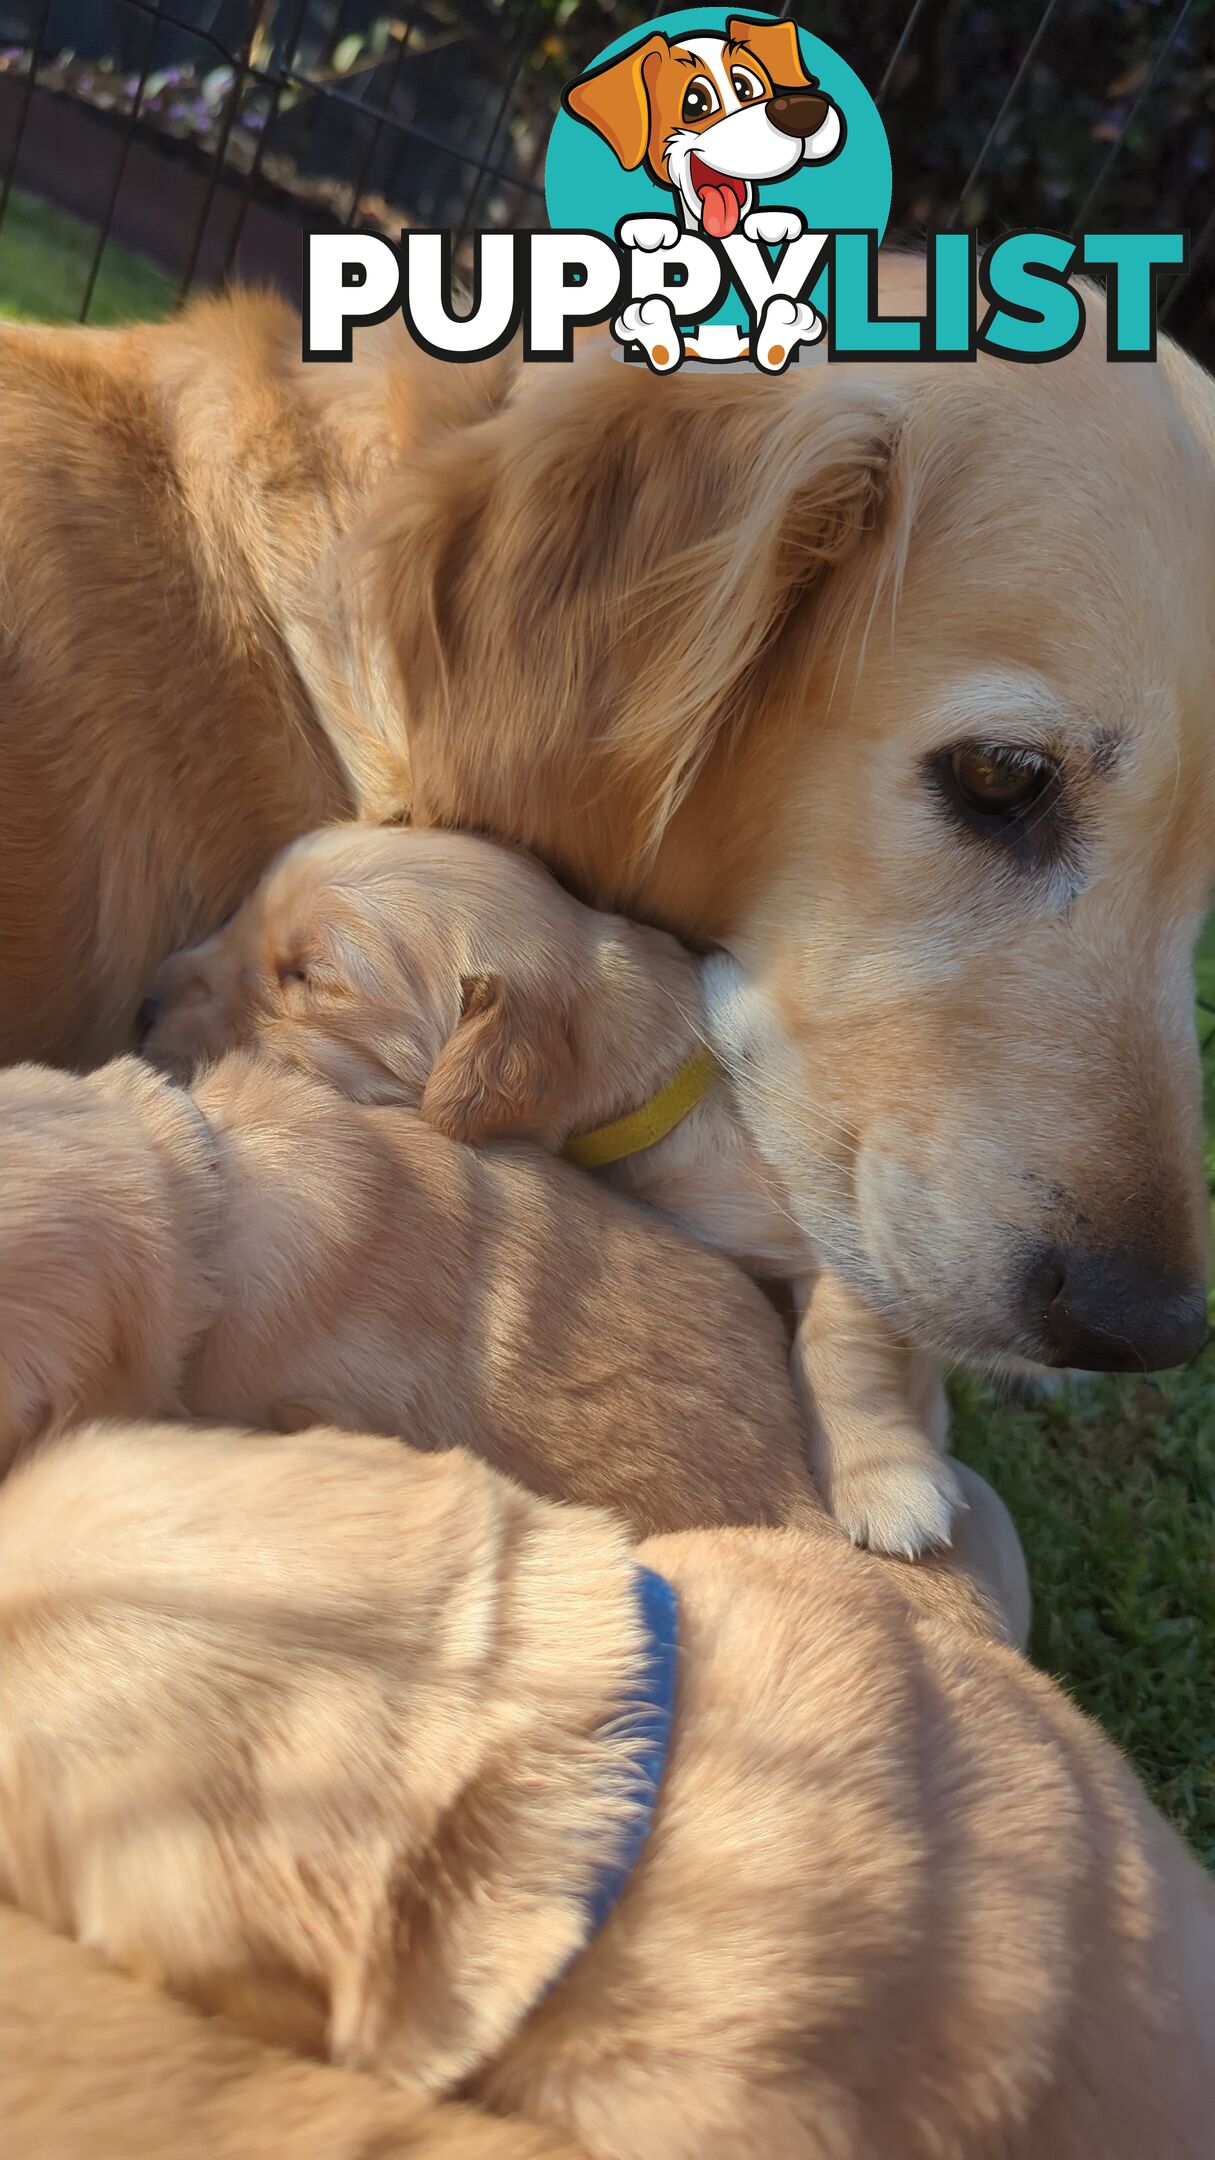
(797, 112)
(145, 1020)
(1111, 1312)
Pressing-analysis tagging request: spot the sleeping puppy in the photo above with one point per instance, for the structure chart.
(440, 971)
(267, 1252)
(330, 1738)
(264, 1250)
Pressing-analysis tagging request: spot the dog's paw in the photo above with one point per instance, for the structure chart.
(901, 1505)
(784, 325)
(648, 233)
(773, 227)
(651, 324)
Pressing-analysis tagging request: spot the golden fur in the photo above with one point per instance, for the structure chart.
(436, 970)
(264, 1250)
(698, 641)
(185, 682)
(93, 2064)
(323, 1733)
(702, 686)
(290, 1258)
(699, 686)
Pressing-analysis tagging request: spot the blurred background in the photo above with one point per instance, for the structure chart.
(151, 146)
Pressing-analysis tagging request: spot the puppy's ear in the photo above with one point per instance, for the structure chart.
(615, 100)
(508, 1068)
(775, 46)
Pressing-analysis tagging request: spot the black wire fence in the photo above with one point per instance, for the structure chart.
(200, 137)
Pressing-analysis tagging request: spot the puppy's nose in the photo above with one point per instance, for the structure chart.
(145, 1020)
(797, 112)
(1112, 1312)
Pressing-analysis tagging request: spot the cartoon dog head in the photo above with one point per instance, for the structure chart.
(712, 115)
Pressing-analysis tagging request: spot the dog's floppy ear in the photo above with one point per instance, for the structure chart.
(615, 100)
(507, 1069)
(775, 46)
(596, 592)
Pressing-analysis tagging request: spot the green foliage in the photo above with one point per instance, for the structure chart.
(1112, 1486)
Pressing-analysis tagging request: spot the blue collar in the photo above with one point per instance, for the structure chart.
(650, 1712)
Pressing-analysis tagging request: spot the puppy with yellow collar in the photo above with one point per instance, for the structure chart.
(438, 970)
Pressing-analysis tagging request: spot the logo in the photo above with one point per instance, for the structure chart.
(717, 188)
(704, 144)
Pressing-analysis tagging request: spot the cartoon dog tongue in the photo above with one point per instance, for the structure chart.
(721, 199)
(719, 211)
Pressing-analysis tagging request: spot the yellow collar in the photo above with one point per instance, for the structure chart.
(644, 1128)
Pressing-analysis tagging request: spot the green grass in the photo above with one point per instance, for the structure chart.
(1111, 1483)
(45, 258)
(1112, 1487)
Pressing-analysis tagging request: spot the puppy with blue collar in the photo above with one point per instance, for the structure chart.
(713, 1846)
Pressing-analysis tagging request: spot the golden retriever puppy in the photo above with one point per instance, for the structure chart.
(93, 2064)
(709, 1846)
(439, 971)
(896, 682)
(262, 1250)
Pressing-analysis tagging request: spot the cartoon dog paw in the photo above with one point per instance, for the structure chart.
(648, 233)
(651, 324)
(784, 325)
(772, 227)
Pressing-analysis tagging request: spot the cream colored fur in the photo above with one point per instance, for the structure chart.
(289, 1258)
(438, 971)
(325, 1735)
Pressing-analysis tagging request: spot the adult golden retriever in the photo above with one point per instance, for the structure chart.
(896, 680)
(327, 1735)
(181, 686)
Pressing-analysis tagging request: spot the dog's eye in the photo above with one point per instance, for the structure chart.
(1008, 794)
(746, 87)
(292, 974)
(1000, 783)
(699, 100)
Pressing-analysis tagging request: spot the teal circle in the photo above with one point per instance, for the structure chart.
(587, 190)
